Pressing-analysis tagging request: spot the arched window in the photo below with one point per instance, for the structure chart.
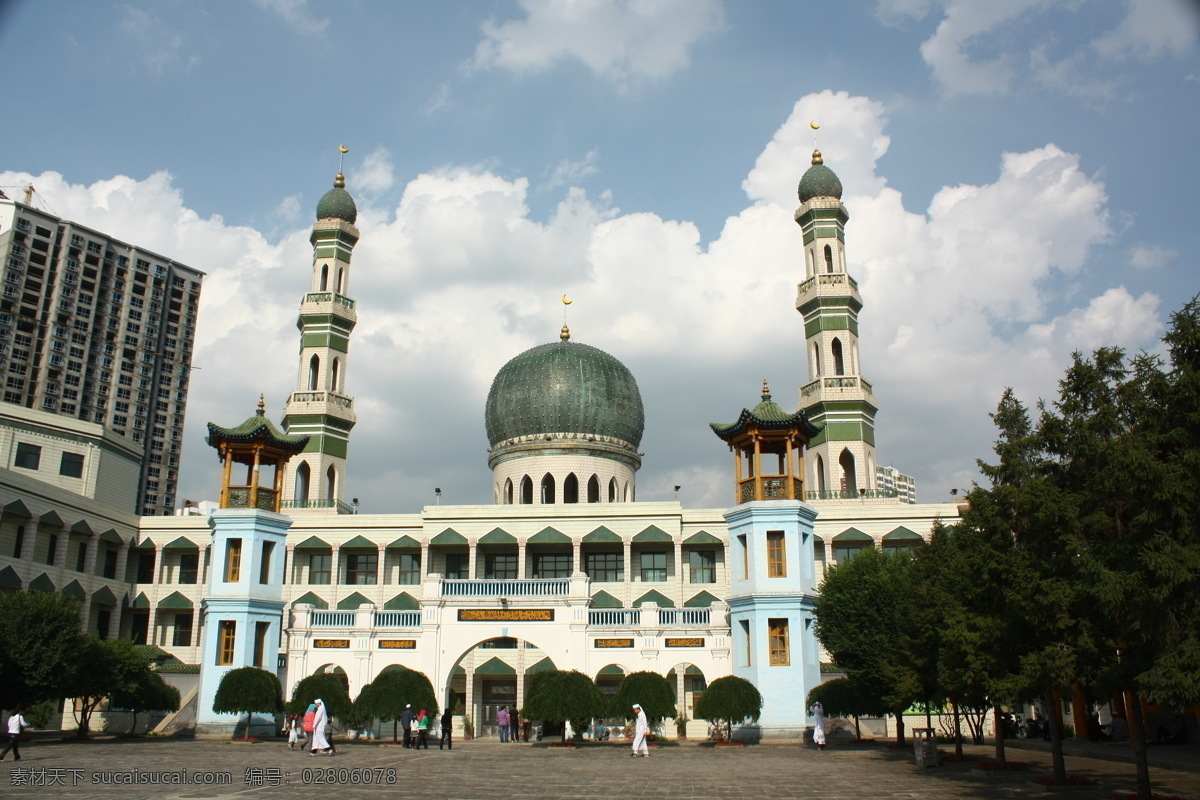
(839, 366)
(300, 492)
(331, 483)
(816, 359)
(809, 270)
(508, 491)
(849, 477)
(871, 482)
(612, 490)
(341, 278)
(527, 491)
(335, 376)
(625, 494)
(571, 489)
(828, 258)
(548, 488)
(819, 466)
(324, 277)
(593, 489)
(314, 370)
(854, 369)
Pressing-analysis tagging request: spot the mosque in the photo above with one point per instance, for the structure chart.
(565, 570)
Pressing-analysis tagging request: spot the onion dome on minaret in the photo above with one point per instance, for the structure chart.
(819, 181)
(564, 421)
(337, 202)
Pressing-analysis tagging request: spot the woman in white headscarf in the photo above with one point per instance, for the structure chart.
(640, 729)
(818, 714)
(320, 745)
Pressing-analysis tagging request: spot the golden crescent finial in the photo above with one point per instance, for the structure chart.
(565, 301)
(343, 148)
(813, 124)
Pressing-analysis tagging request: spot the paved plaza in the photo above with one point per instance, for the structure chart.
(477, 770)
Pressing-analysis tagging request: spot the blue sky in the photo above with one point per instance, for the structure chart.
(1020, 178)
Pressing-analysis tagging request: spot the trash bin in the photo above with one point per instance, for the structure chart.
(925, 752)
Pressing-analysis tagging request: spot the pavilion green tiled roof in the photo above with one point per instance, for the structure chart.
(256, 427)
(766, 415)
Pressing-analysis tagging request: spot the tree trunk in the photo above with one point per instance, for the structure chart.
(958, 739)
(1137, 735)
(857, 732)
(394, 732)
(998, 725)
(900, 727)
(133, 727)
(1054, 720)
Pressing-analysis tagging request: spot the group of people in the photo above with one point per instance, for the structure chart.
(415, 726)
(312, 726)
(509, 723)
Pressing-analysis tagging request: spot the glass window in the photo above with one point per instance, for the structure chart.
(842, 554)
(233, 560)
(776, 562)
(457, 565)
(605, 567)
(319, 571)
(227, 632)
(552, 565)
(264, 567)
(145, 567)
(183, 630)
(500, 566)
(260, 641)
(361, 568)
(189, 567)
(654, 567)
(778, 633)
(410, 568)
(29, 456)
(703, 566)
(71, 465)
(110, 563)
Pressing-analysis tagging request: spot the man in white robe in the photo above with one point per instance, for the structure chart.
(320, 745)
(640, 729)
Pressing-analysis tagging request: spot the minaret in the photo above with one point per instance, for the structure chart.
(841, 462)
(320, 408)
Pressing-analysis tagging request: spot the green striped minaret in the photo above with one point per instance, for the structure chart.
(319, 408)
(841, 460)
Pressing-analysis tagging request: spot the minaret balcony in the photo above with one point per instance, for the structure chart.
(841, 387)
(328, 303)
(332, 398)
(828, 284)
(770, 487)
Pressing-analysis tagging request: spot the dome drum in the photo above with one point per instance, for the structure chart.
(564, 444)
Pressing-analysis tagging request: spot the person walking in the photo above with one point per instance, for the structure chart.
(502, 722)
(447, 730)
(406, 721)
(640, 729)
(818, 714)
(514, 725)
(320, 745)
(16, 726)
(422, 730)
(293, 732)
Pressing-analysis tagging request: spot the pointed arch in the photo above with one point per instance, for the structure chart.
(324, 278)
(508, 492)
(871, 480)
(303, 476)
(816, 360)
(335, 376)
(828, 258)
(331, 483)
(548, 489)
(819, 467)
(570, 489)
(341, 287)
(527, 490)
(809, 269)
(849, 484)
(612, 490)
(839, 363)
(314, 371)
(593, 490)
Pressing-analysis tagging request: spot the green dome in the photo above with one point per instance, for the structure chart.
(819, 181)
(564, 387)
(337, 203)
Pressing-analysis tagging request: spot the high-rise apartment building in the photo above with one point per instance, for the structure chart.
(894, 483)
(98, 330)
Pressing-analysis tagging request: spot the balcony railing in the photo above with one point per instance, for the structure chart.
(506, 588)
(828, 279)
(615, 617)
(241, 497)
(397, 619)
(847, 494)
(322, 397)
(684, 616)
(770, 487)
(837, 382)
(302, 505)
(332, 619)
(328, 297)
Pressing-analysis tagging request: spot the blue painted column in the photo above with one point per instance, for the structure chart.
(773, 587)
(245, 598)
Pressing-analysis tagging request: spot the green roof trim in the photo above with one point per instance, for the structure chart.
(448, 536)
(176, 600)
(256, 427)
(653, 534)
(498, 536)
(310, 599)
(112, 537)
(402, 602)
(352, 602)
(653, 596)
(549, 536)
(703, 537)
(852, 535)
(403, 543)
(313, 543)
(72, 589)
(104, 595)
(42, 583)
(178, 669)
(494, 666)
(545, 665)
(611, 669)
(359, 541)
(141, 601)
(145, 544)
(903, 534)
(182, 543)
(601, 535)
(768, 415)
(702, 600)
(9, 579)
(603, 599)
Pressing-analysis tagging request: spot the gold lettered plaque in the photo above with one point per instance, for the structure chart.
(332, 644)
(506, 615)
(397, 644)
(693, 641)
(613, 643)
